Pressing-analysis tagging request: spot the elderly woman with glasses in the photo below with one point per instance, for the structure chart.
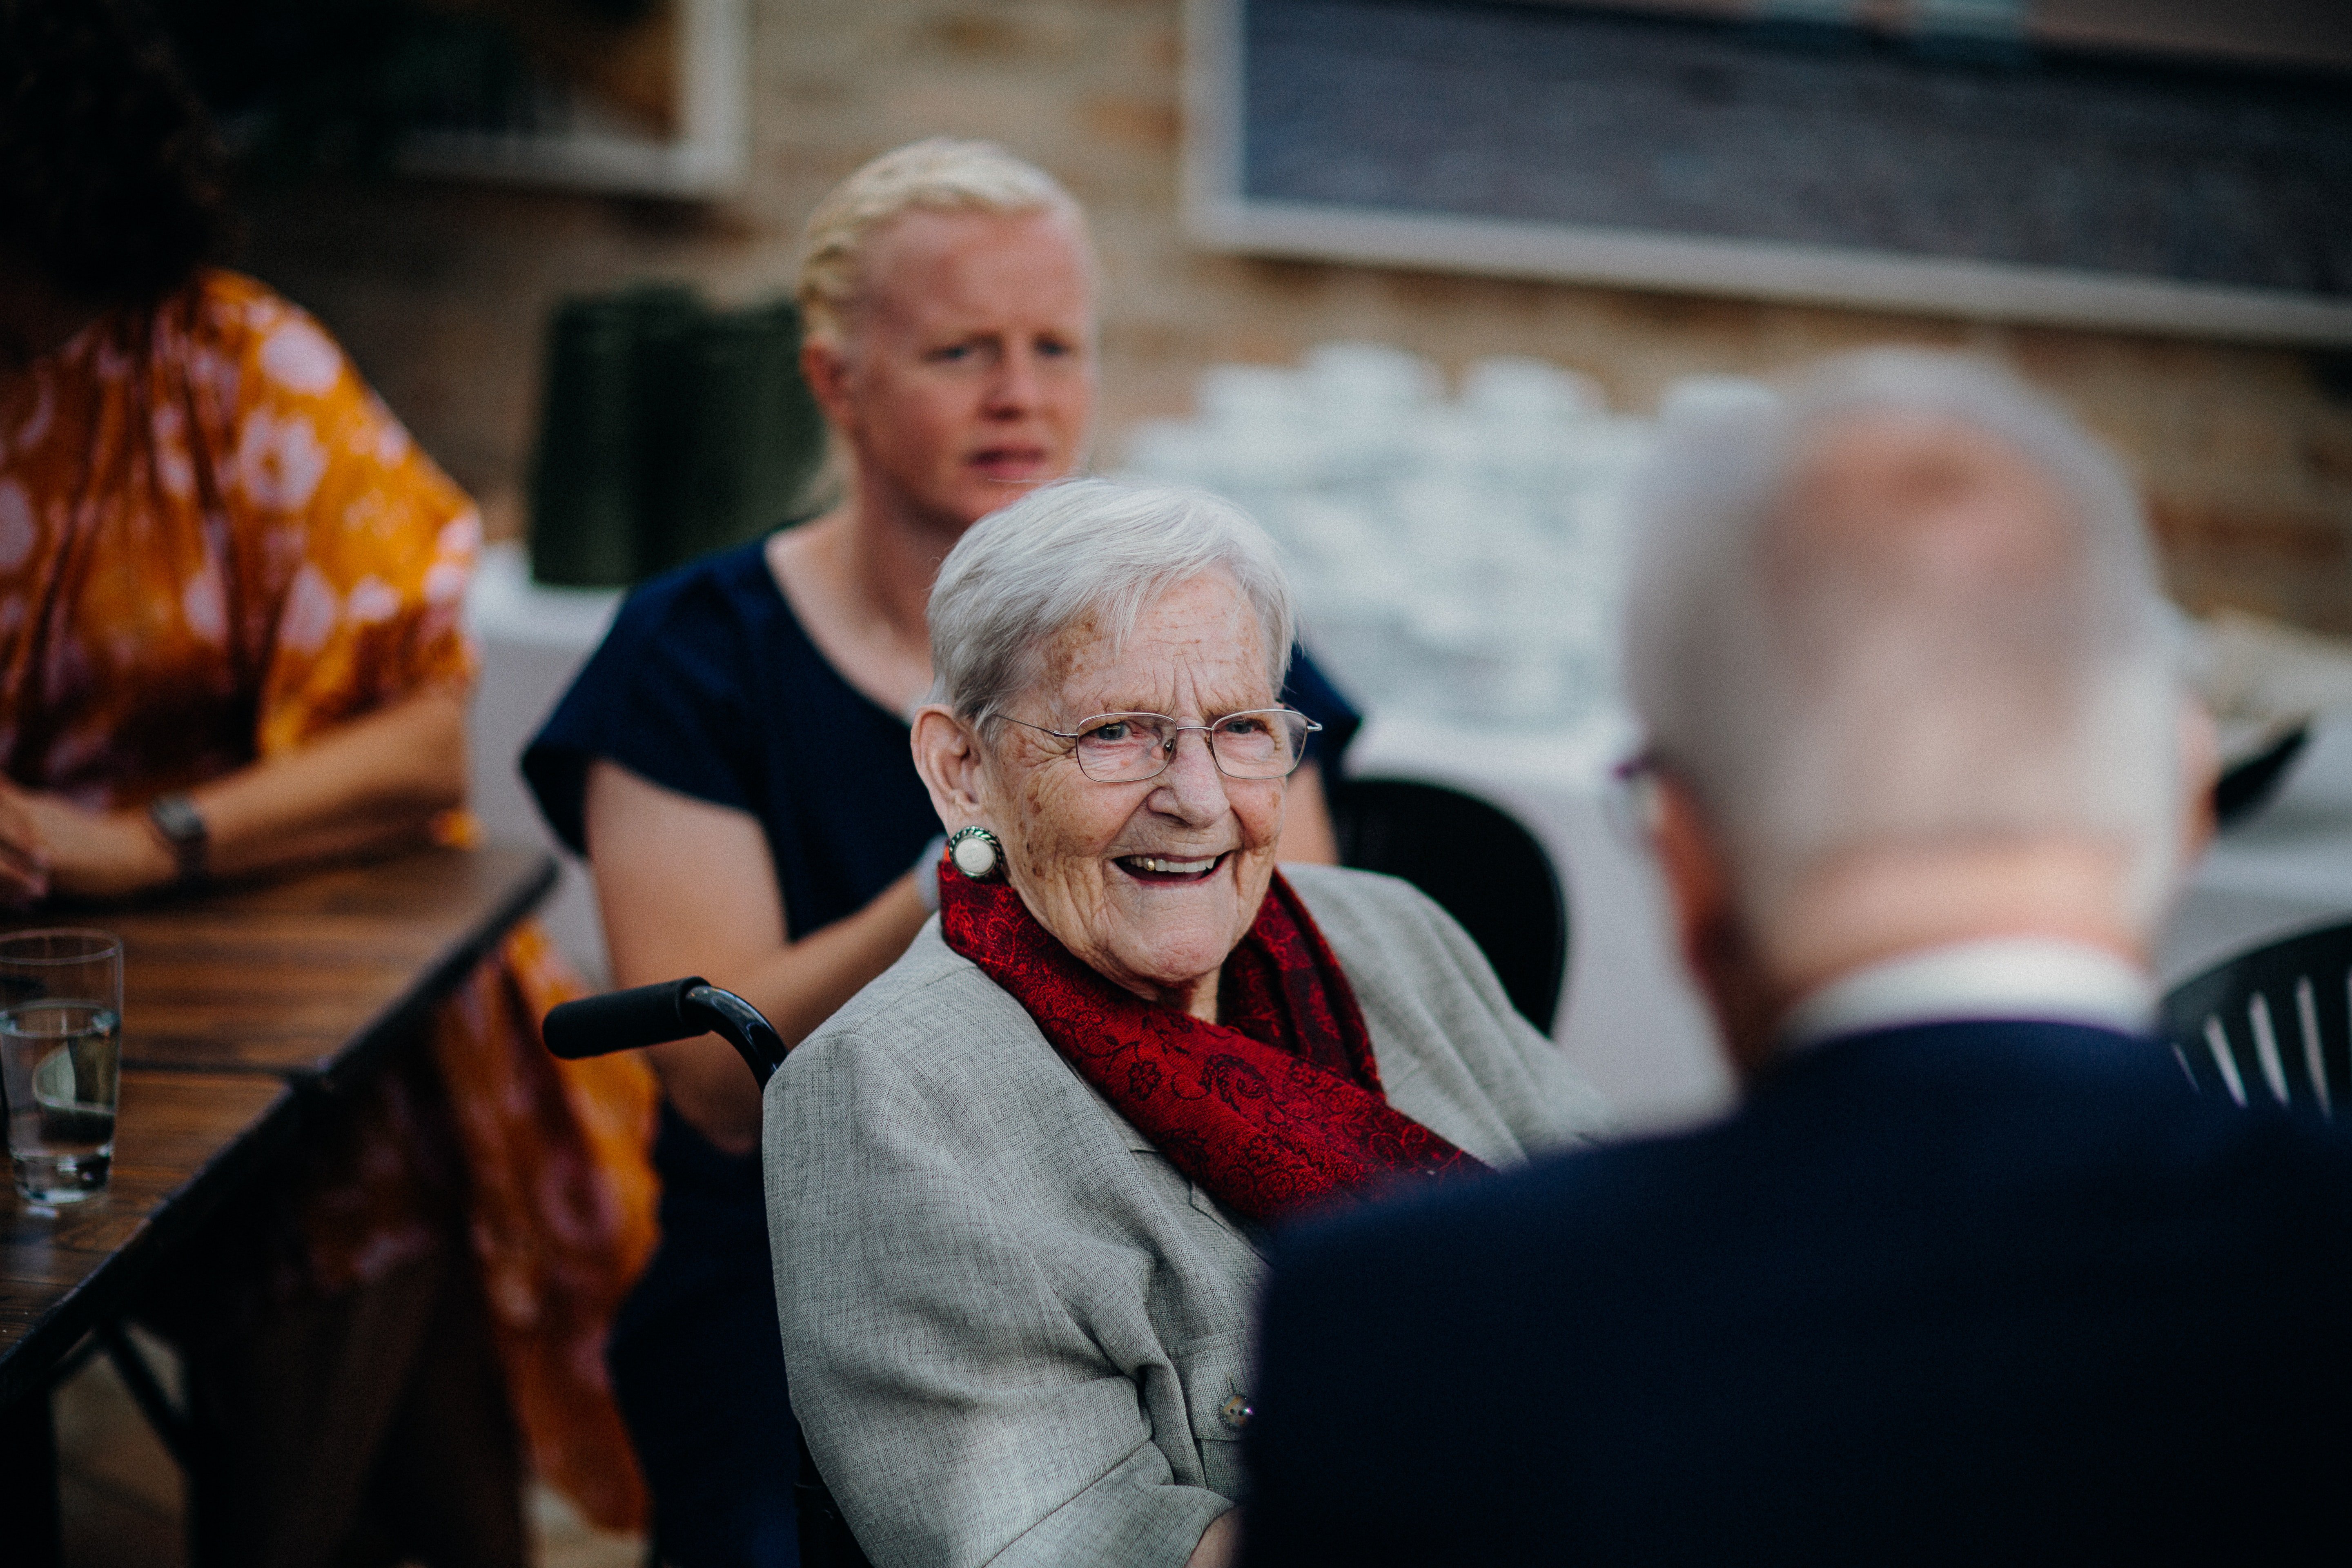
(1016, 1187)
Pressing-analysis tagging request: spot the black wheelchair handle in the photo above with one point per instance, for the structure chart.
(655, 1015)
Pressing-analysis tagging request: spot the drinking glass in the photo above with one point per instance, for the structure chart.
(60, 1058)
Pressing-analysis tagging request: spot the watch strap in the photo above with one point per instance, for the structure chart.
(175, 817)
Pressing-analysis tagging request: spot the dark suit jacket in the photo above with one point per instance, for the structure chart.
(1962, 1293)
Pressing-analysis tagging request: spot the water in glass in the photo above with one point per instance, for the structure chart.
(59, 1061)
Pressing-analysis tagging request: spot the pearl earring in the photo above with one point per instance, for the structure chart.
(976, 852)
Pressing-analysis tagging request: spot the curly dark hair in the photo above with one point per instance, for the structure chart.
(112, 181)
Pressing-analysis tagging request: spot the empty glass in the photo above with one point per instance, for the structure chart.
(60, 1058)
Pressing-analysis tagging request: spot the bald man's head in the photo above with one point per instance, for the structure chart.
(1911, 606)
(1924, 500)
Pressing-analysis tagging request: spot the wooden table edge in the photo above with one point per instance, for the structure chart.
(404, 1012)
(53, 1336)
(408, 1011)
(27, 1366)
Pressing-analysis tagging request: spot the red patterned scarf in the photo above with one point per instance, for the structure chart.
(1277, 1108)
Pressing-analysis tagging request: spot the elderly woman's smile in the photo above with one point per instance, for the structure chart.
(1150, 868)
(1149, 882)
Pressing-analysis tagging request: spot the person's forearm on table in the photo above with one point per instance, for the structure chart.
(375, 782)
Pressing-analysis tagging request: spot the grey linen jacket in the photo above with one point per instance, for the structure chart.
(1016, 1334)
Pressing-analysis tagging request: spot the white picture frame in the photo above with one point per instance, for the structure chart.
(1220, 215)
(707, 158)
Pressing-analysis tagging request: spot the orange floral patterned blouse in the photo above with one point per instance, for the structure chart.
(215, 546)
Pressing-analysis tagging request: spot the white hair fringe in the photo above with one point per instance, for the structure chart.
(1023, 576)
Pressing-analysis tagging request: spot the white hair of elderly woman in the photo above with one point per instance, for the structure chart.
(1023, 576)
(940, 174)
(1822, 700)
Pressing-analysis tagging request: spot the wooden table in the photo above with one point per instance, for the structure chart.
(184, 1141)
(315, 978)
(237, 1005)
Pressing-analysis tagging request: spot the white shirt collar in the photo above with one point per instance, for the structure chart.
(2012, 977)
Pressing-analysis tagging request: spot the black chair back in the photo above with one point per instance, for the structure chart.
(2247, 785)
(1479, 864)
(2270, 1026)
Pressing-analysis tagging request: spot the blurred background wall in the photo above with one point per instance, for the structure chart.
(442, 288)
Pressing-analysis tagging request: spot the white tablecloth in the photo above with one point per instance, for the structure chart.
(1628, 1015)
(533, 641)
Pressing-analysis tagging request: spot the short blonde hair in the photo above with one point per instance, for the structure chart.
(940, 174)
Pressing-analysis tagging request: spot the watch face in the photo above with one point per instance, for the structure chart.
(178, 819)
(176, 816)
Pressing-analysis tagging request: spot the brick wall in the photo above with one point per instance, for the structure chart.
(441, 290)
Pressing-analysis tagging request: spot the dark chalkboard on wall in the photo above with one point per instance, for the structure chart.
(1979, 175)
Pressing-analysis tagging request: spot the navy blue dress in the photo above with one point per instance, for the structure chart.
(706, 685)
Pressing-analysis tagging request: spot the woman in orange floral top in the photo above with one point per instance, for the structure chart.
(230, 581)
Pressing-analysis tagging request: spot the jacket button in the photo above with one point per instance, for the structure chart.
(1236, 1412)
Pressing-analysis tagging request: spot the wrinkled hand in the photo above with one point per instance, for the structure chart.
(48, 845)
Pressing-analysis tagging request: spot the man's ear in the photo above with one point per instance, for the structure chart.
(1696, 880)
(2201, 769)
(1717, 945)
(947, 755)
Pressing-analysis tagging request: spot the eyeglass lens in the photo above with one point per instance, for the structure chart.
(1122, 748)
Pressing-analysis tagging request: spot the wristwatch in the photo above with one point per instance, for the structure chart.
(176, 816)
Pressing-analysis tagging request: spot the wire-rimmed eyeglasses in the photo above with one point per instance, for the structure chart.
(1127, 748)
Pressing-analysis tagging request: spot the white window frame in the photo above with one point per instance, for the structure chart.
(708, 157)
(1220, 215)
